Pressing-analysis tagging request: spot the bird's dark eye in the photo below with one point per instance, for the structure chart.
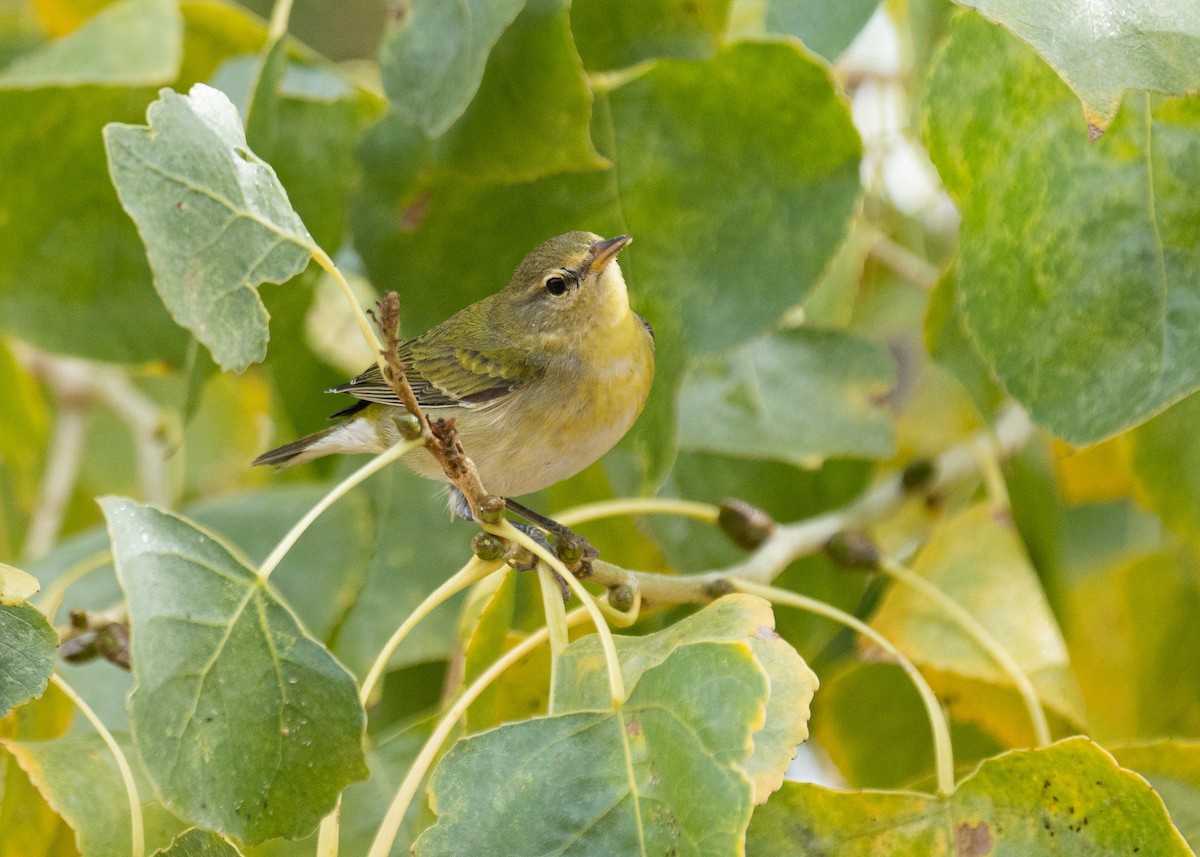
(556, 285)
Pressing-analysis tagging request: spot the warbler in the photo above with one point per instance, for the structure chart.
(542, 378)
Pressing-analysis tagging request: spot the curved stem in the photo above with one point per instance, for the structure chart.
(472, 572)
(277, 28)
(340, 490)
(556, 622)
(618, 618)
(364, 323)
(330, 831)
(386, 835)
(51, 600)
(616, 682)
(981, 637)
(638, 506)
(136, 832)
(942, 749)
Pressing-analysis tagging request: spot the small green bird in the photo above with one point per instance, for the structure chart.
(542, 378)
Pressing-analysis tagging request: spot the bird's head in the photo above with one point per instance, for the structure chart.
(568, 287)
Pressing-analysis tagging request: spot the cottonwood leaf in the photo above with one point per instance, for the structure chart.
(28, 645)
(1128, 625)
(980, 563)
(200, 843)
(1166, 465)
(73, 275)
(799, 396)
(825, 28)
(130, 43)
(1172, 767)
(215, 220)
(735, 216)
(1077, 264)
(612, 34)
(434, 53)
(580, 682)
(245, 723)
(16, 586)
(1102, 48)
(530, 117)
(78, 777)
(1067, 799)
(661, 775)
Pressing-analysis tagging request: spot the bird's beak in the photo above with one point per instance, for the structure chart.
(604, 252)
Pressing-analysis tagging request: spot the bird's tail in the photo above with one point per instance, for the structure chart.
(298, 451)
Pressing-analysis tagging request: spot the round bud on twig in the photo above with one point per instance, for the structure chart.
(488, 547)
(747, 526)
(569, 548)
(853, 549)
(718, 588)
(491, 509)
(408, 425)
(918, 475)
(621, 597)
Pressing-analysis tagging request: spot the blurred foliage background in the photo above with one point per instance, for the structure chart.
(861, 232)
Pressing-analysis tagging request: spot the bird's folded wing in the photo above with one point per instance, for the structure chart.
(443, 376)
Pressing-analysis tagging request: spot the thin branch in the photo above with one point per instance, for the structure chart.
(58, 481)
(788, 542)
(77, 384)
(440, 436)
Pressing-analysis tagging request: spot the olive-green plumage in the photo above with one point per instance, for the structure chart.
(542, 378)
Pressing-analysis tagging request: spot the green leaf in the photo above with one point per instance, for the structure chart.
(1105, 47)
(78, 777)
(16, 586)
(871, 722)
(27, 648)
(73, 276)
(214, 218)
(200, 843)
(825, 28)
(334, 551)
(661, 775)
(531, 115)
(980, 563)
(1166, 463)
(433, 56)
(1173, 770)
(1066, 799)
(799, 396)
(1126, 626)
(1077, 265)
(305, 121)
(612, 34)
(131, 43)
(245, 723)
(736, 216)
(949, 343)
(30, 825)
(580, 677)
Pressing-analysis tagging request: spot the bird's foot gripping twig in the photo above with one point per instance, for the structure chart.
(576, 552)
